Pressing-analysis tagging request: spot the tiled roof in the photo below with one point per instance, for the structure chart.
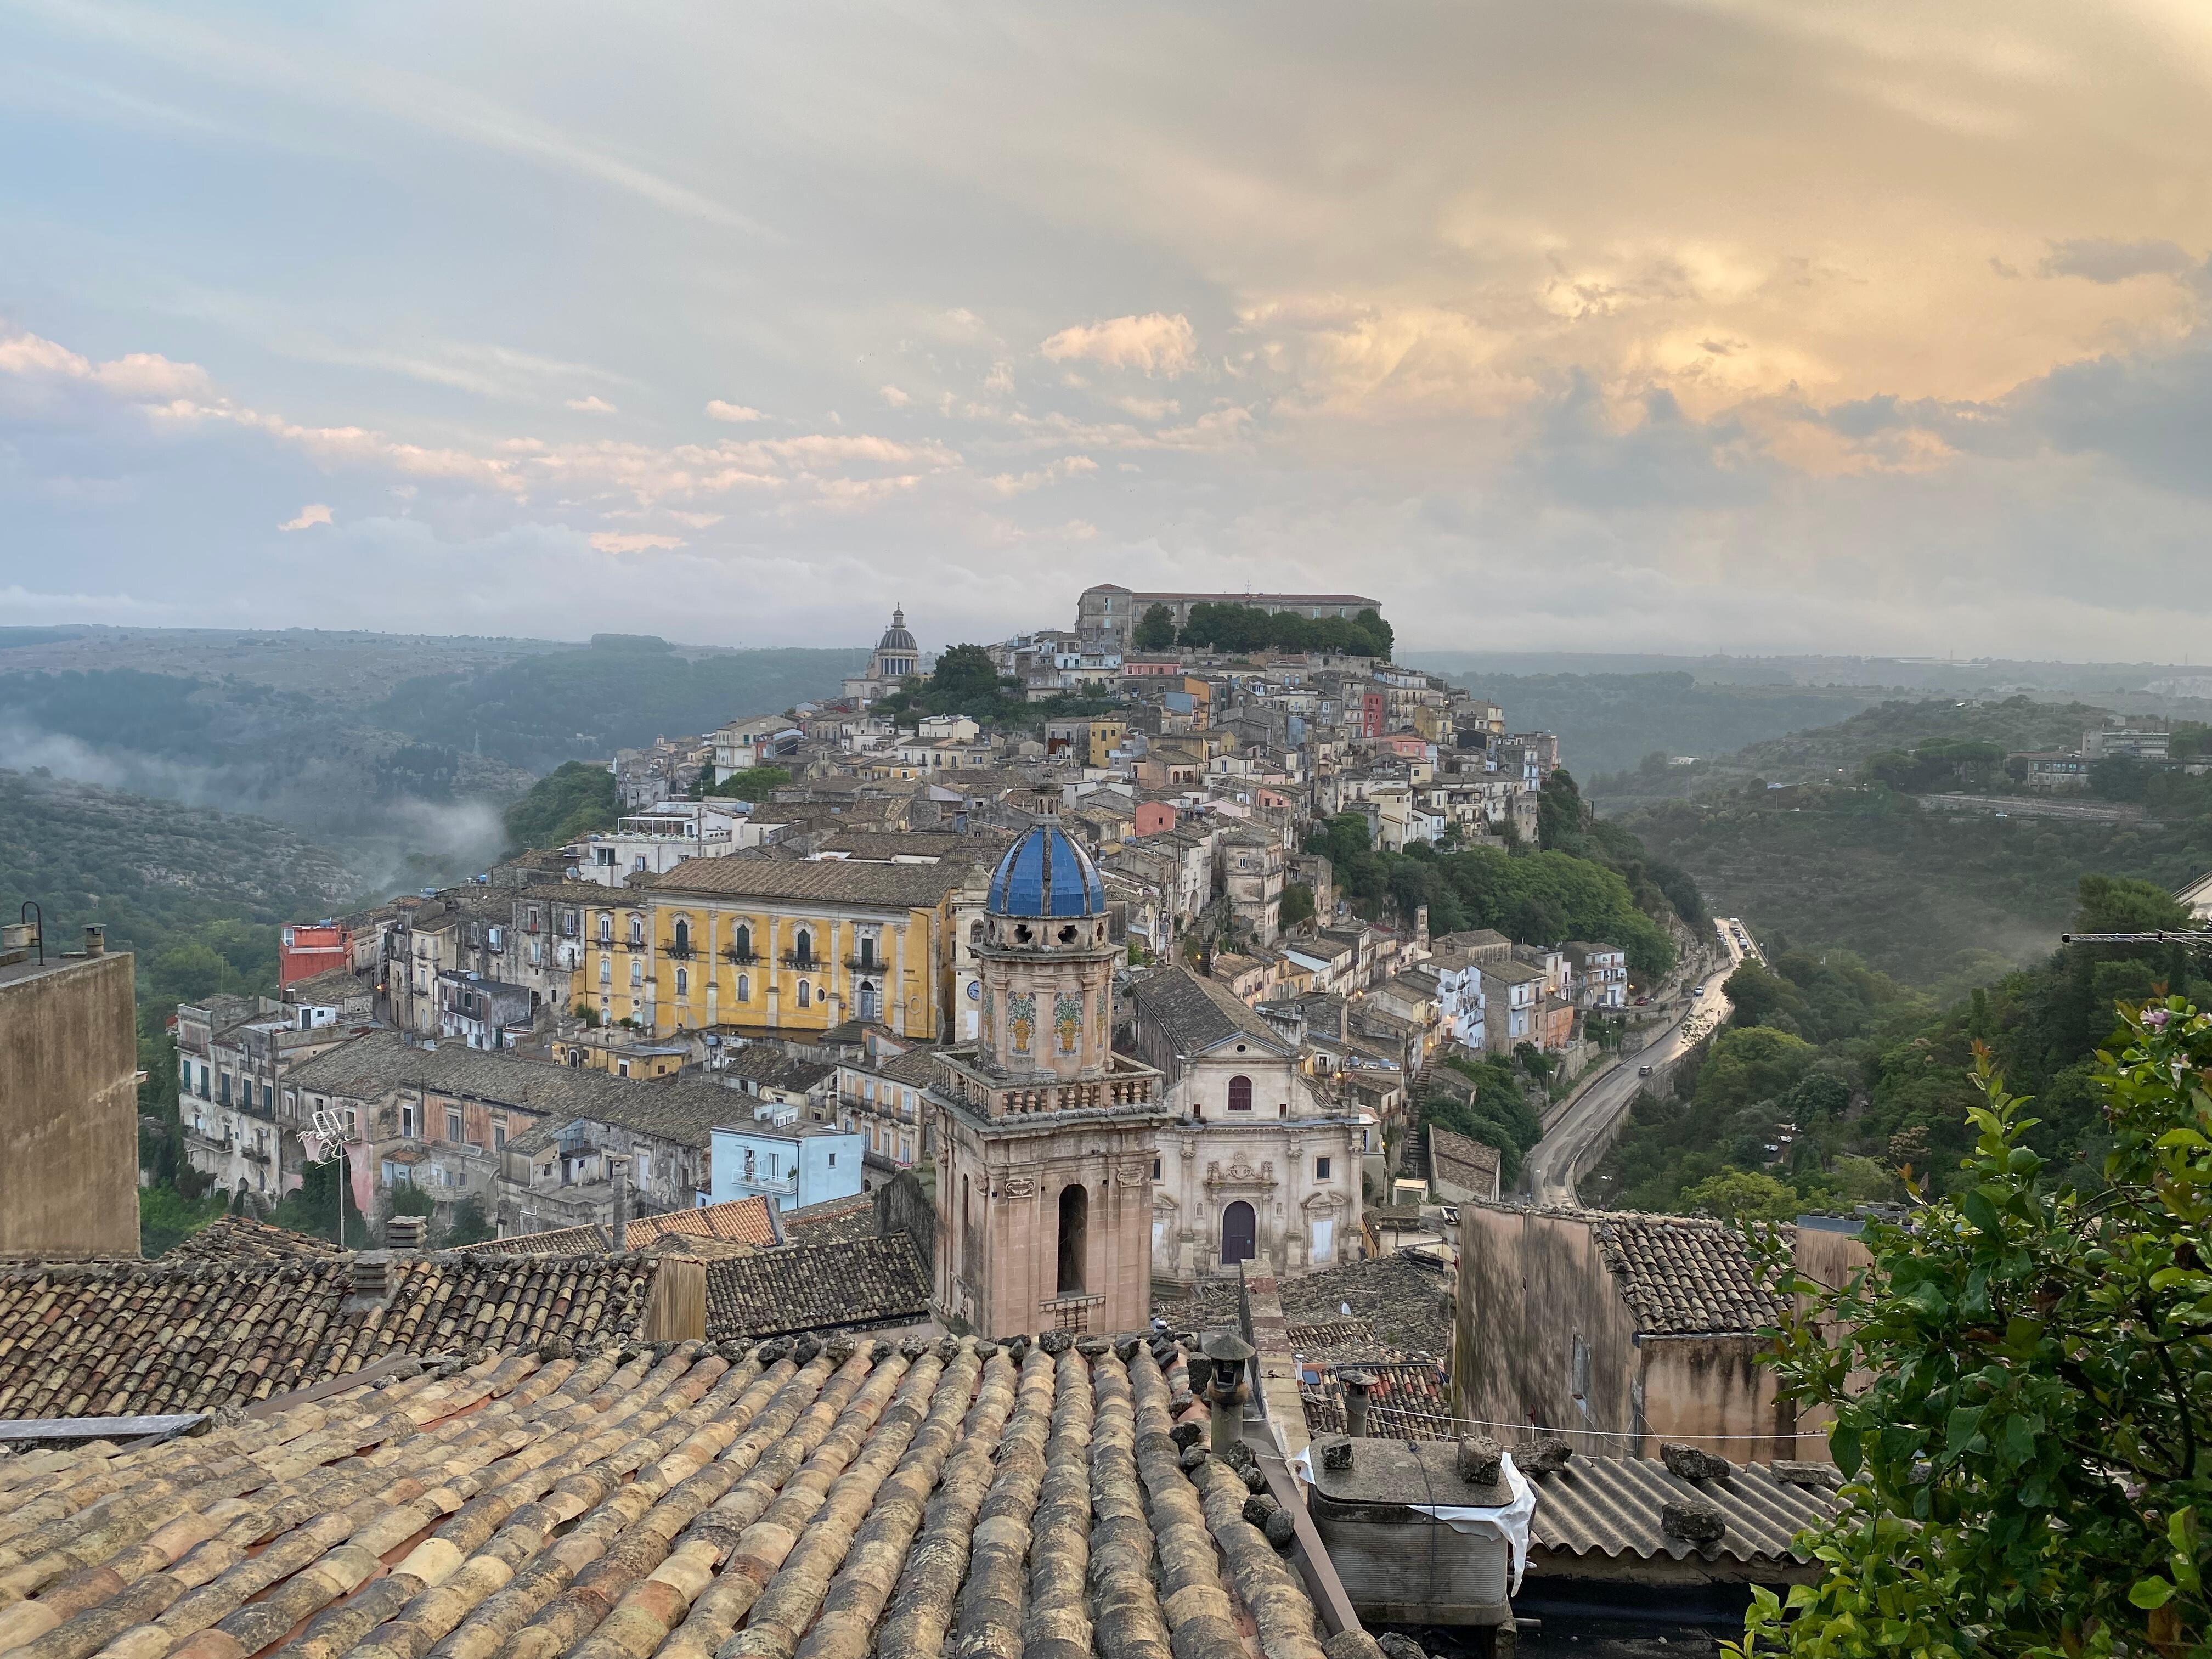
(1199, 1014)
(132, 1339)
(800, 1501)
(833, 1220)
(682, 1110)
(1404, 1299)
(240, 1238)
(1683, 1274)
(740, 1221)
(1462, 1160)
(859, 1283)
(872, 844)
(1610, 1506)
(829, 881)
(1409, 1400)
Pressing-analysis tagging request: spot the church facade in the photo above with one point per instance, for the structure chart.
(1045, 1136)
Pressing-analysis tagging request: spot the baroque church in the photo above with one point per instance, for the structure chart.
(1045, 1136)
(896, 656)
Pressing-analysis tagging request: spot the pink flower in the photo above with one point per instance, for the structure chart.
(2156, 1018)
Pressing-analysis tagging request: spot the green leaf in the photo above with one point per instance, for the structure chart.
(1965, 1424)
(1983, 1213)
(1844, 1447)
(2151, 1594)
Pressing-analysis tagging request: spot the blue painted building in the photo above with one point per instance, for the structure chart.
(788, 1161)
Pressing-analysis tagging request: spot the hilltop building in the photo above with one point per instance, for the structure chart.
(1110, 613)
(896, 656)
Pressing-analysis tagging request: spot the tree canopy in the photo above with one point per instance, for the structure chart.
(1156, 629)
(2022, 1388)
(574, 798)
(1233, 627)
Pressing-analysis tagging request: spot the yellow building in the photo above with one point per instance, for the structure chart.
(763, 946)
(619, 1055)
(1106, 735)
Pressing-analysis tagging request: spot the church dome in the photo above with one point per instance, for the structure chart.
(896, 638)
(1046, 874)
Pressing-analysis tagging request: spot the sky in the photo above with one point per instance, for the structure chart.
(1708, 324)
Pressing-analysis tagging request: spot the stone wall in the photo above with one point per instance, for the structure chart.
(69, 1109)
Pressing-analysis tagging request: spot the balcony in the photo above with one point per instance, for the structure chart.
(865, 964)
(807, 964)
(678, 952)
(738, 958)
(633, 945)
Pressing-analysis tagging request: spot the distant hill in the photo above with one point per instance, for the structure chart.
(1836, 751)
(620, 692)
(1609, 722)
(197, 893)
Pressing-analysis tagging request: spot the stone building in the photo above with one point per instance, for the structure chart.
(1620, 1330)
(1254, 1164)
(896, 656)
(1044, 1136)
(1252, 877)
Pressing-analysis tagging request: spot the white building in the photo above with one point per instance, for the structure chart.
(782, 1158)
(656, 843)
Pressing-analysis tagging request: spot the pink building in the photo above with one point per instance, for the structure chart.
(1154, 816)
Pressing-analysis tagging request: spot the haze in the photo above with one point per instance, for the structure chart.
(1740, 325)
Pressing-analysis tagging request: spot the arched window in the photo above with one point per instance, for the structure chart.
(682, 936)
(744, 989)
(682, 983)
(802, 947)
(806, 994)
(636, 971)
(606, 971)
(1240, 1094)
(741, 945)
(1074, 1238)
(1238, 1234)
(870, 1002)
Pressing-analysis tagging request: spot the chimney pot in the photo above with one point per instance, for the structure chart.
(95, 939)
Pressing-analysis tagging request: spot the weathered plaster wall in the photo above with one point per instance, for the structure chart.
(69, 1109)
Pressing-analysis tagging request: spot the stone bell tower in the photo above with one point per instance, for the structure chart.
(1044, 1135)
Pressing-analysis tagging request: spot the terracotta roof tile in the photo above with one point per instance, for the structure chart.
(240, 1238)
(799, 1501)
(854, 1285)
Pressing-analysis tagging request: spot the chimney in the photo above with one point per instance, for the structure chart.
(95, 939)
(618, 1170)
(1356, 1384)
(407, 1232)
(370, 1278)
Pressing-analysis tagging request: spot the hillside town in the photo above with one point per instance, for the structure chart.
(557, 1043)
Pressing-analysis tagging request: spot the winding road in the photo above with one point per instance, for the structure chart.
(1585, 1128)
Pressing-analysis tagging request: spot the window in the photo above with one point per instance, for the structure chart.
(637, 930)
(407, 1122)
(1240, 1094)
(636, 971)
(683, 935)
(749, 1164)
(806, 994)
(224, 1091)
(802, 951)
(1156, 1167)
(498, 1135)
(744, 989)
(1074, 1238)
(606, 971)
(621, 1068)
(606, 929)
(833, 1160)
(867, 951)
(452, 1124)
(682, 983)
(268, 1096)
(1321, 1169)
(741, 947)
(870, 1002)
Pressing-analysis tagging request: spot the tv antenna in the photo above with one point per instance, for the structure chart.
(324, 1141)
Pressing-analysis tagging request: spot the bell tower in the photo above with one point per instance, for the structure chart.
(1044, 1135)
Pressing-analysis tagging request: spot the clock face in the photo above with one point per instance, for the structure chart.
(975, 990)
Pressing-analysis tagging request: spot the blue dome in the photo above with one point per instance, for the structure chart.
(1046, 874)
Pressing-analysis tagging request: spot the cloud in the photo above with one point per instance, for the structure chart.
(623, 541)
(1155, 343)
(895, 398)
(591, 405)
(735, 413)
(309, 517)
(2102, 259)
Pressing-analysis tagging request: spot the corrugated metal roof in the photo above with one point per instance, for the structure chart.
(1610, 1506)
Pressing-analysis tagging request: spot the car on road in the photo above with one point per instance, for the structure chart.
(1643, 1070)
(1642, 1001)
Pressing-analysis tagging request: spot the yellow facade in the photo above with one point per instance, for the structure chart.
(1106, 736)
(793, 967)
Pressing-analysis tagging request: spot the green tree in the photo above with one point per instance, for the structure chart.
(1561, 813)
(573, 799)
(1297, 903)
(468, 1224)
(1156, 629)
(1750, 1064)
(312, 1206)
(963, 672)
(756, 784)
(1744, 1195)
(2022, 1387)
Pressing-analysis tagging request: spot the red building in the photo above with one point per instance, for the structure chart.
(1370, 714)
(310, 948)
(1154, 816)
